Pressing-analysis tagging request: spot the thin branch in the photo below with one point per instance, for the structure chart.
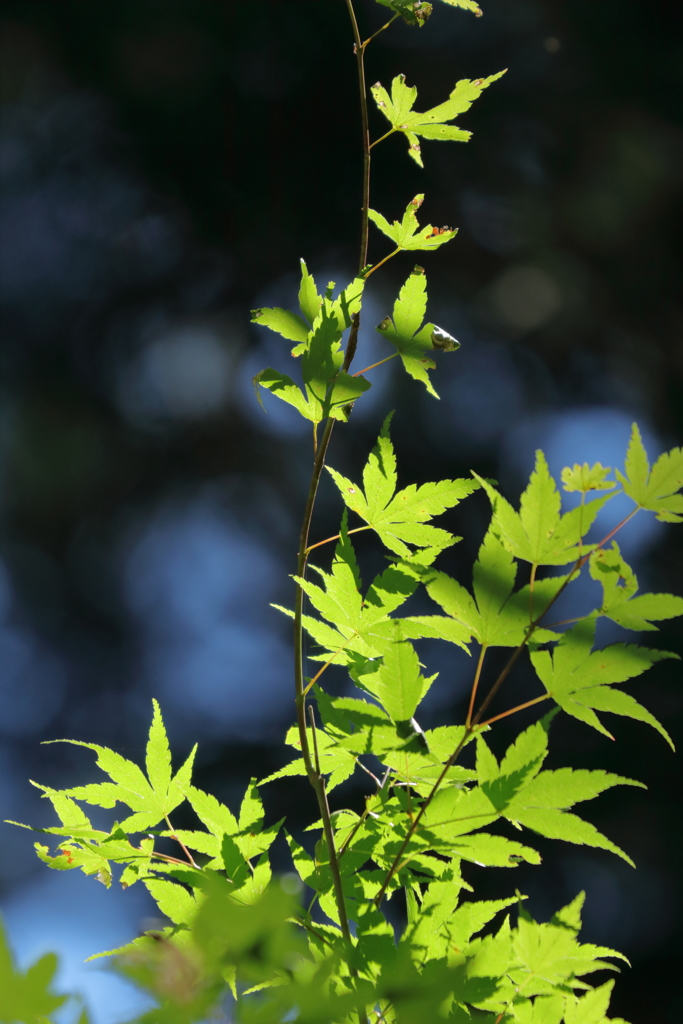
(532, 580)
(327, 664)
(520, 707)
(169, 860)
(475, 684)
(381, 263)
(318, 464)
(383, 137)
(564, 622)
(314, 777)
(337, 536)
(185, 850)
(365, 370)
(382, 29)
(363, 817)
(311, 715)
(397, 863)
(318, 935)
(359, 50)
(367, 772)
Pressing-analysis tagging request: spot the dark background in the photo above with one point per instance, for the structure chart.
(164, 166)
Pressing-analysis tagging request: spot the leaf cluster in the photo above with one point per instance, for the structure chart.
(316, 945)
(233, 928)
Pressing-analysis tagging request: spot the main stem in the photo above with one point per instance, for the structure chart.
(359, 50)
(315, 777)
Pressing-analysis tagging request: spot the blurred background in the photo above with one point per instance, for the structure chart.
(164, 166)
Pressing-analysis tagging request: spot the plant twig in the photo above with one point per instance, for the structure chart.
(381, 263)
(185, 850)
(397, 862)
(382, 29)
(382, 138)
(365, 370)
(318, 464)
(359, 49)
(327, 664)
(337, 536)
(475, 684)
(520, 707)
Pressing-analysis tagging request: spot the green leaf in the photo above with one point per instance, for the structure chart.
(619, 588)
(328, 390)
(282, 386)
(656, 489)
(217, 818)
(379, 474)
(339, 600)
(96, 857)
(309, 300)
(564, 787)
(407, 233)
(248, 834)
(359, 629)
(236, 868)
(409, 336)
(401, 518)
(158, 755)
(577, 677)
(605, 698)
(251, 810)
(413, 12)
(538, 533)
(494, 616)
(174, 901)
(518, 790)
(398, 684)
(556, 824)
(428, 936)
(283, 321)
(494, 851)
(26, 996)
(432, 124)
(586, 478)
(466, 5)
(335, 761)
(151, 801)
(471, 917)
(590, 1008)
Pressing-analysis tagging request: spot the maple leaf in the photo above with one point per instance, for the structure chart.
(407, 233)
(538, 533)
(328, 390)
(432, 124)
(620, 600)
(27, 996)
(654, 489)
(409, 336)
(413, 12)
(586, 478)
(494, 615)
(400, 518)
(151, 797)
(580, 679)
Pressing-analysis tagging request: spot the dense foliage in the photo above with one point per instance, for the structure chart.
(316, 945)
